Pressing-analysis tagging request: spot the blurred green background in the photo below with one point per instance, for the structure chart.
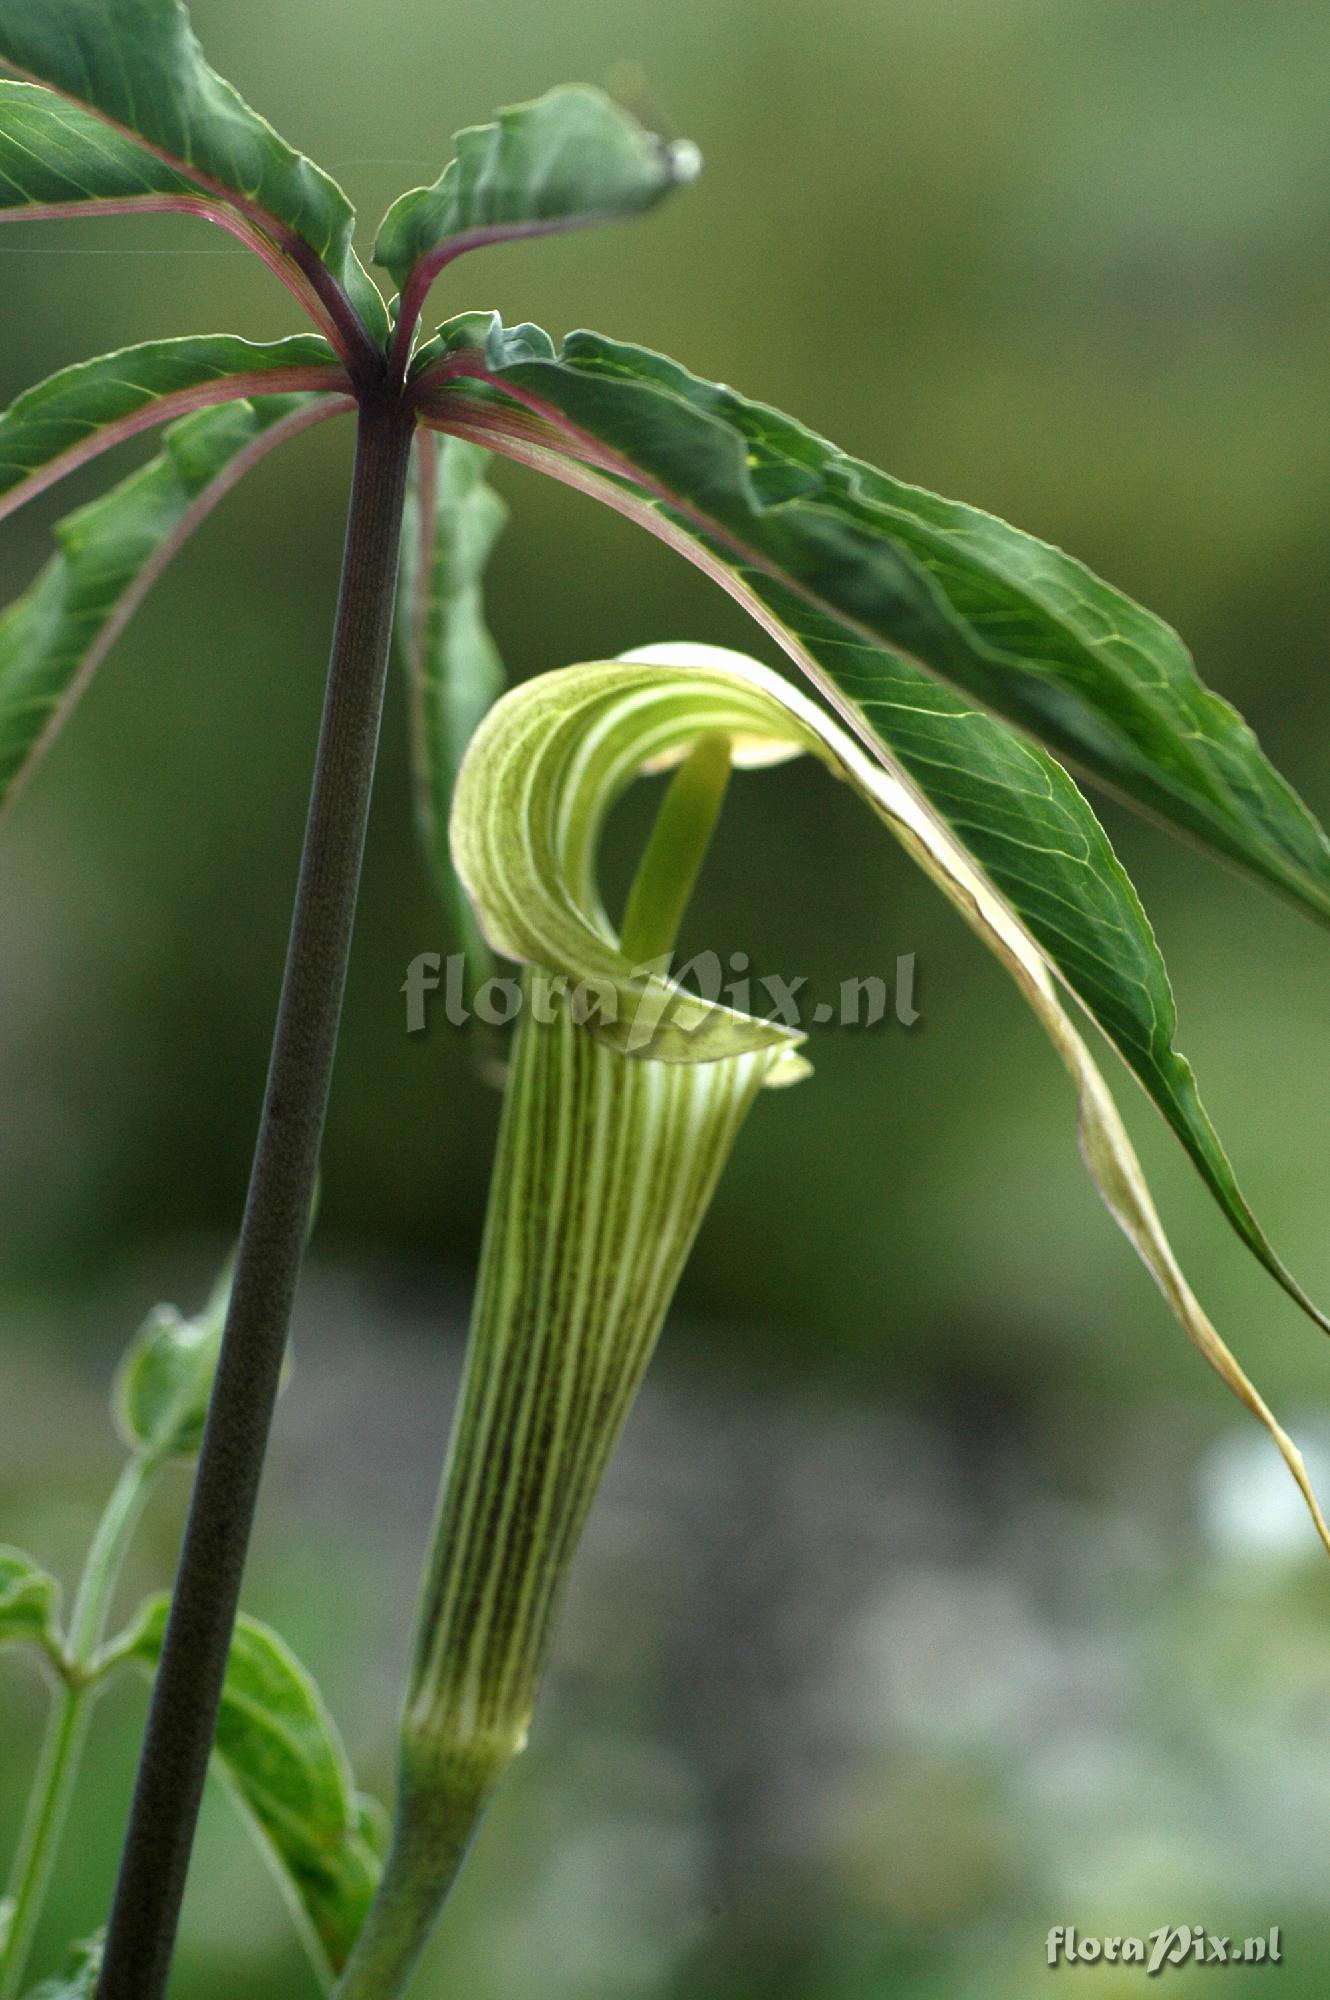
(939, 1595)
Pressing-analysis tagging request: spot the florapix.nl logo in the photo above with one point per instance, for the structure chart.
(436, 986)
(1165, 1947)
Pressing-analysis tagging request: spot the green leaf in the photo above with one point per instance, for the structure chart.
(280, 1753)
(84, 410)
(56, 158)
(1013, 807)
(1038, 839)
(136, 65)
(545, 767)
(570, 159)
(29, 1600)
(78, 1980)
(452, 665)
(163, 1383)
(1019, 627)
(110, 554)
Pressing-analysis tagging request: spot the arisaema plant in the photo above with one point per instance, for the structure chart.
(956, 673)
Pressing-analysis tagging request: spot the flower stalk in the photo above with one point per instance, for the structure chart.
(188, 1686)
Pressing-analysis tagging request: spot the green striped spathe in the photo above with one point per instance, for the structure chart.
(605, 1167)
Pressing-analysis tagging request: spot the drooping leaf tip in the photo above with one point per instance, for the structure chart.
(685, 162)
